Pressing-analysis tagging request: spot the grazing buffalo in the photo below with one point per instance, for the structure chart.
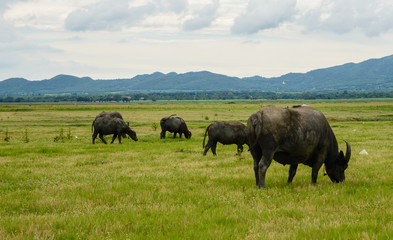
(110, 115)
(175, 125)
(106, 125)
(225, 133)
(293, 136)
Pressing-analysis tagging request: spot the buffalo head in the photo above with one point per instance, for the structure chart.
(335, 170)
(132, 134)
(187, 134)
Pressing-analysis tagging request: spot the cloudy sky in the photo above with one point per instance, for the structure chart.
(107, 39)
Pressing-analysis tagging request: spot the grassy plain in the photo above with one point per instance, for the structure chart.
(166, 189)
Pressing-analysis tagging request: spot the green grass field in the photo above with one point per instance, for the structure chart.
(165, 189)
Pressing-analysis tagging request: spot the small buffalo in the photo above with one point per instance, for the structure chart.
(225, 133)
(106, 125)
(174, 125)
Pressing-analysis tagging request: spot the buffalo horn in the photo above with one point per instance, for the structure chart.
(348, 153)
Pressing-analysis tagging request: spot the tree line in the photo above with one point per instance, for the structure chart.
(195, 95)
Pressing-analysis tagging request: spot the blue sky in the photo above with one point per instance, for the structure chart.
(107, 39)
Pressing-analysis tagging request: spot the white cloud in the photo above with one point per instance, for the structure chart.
(5, 3)
(372, 17)
(115, 16)
(41, 14)
(203, 17)
(264, 14)
(176, 6)
(105, 15)
(7, 32)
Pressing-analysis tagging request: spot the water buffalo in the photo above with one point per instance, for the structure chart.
(110, 115)
(175, 125)
(225, 133)
(106, 125)
(293, 136)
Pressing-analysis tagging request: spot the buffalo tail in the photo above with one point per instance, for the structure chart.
(92, 126)
(203, 145)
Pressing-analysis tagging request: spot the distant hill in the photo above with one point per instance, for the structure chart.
(370, 75)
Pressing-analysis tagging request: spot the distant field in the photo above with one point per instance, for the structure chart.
(54, 184)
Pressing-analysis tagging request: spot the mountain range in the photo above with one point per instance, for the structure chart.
(370, 75)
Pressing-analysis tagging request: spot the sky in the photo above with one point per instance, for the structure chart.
(111, 39)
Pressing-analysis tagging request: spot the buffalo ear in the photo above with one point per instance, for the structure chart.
(341, 155)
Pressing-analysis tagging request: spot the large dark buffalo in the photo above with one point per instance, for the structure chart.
(106, 125)
(225, 133)
(293, 136)
(175, 125)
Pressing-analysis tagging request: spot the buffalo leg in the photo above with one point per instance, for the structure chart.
(214, 147)
(94, 136)
(207, 147)
(174, 134)
(119, 138)
(101, 136)
(317, 165)
(114, 137)
(162, 134)
(256, 172)
(263, 165)
(292, 172)
(256, 153)
(314, 173)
